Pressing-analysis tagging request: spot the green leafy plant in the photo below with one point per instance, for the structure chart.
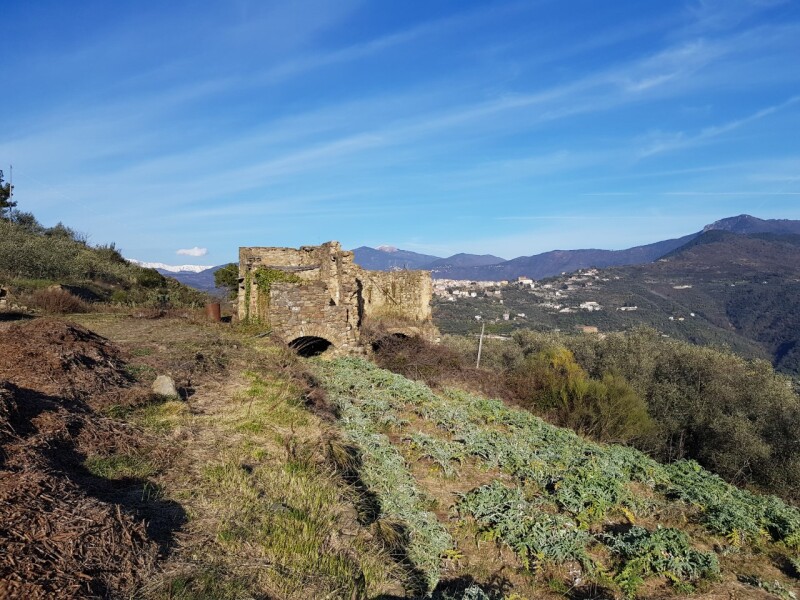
(535, 535)
(565, 489)
(660, 552)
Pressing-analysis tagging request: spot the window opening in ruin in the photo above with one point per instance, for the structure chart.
(309, 345)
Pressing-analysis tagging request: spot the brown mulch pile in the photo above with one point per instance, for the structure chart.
(65, 533)
(64, 360)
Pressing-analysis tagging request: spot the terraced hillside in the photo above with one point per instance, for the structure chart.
(720, 289)
(464, 488)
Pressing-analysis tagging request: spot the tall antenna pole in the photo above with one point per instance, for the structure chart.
(480, 347)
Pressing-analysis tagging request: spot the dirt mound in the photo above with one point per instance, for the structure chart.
(64, 531)
(62, 359)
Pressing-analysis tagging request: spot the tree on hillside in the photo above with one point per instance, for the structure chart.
(228, 277)
(6, 205)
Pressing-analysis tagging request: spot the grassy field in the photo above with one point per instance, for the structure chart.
(267, 517)
(338, 479)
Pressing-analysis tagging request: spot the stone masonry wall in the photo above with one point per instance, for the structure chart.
(333, 294)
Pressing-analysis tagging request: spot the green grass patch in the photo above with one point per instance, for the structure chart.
(119, 466)
(141, 372)
(290, 513)
(210, 583)
(161, 417)
(141, 352)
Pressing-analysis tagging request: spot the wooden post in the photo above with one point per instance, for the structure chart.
(480, 347)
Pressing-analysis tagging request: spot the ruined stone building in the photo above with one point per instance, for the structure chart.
(317, 298)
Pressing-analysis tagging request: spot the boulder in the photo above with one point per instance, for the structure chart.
(165, 386)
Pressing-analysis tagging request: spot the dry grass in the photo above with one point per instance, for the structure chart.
(267, 517)
(58, 301)
(437, 365)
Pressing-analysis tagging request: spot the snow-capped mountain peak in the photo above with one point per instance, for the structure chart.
(170, 268)
(387, 248)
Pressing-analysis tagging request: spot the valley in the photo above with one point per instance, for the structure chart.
(723, 289)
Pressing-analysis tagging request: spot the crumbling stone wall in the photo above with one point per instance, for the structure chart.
(319, 291)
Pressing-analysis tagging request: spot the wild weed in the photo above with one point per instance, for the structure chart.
(119, 466)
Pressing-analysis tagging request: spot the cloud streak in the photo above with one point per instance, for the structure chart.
(679, 140)
(412, 128)
(196, 251)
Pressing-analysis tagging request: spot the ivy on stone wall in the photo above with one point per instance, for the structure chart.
(264, 278)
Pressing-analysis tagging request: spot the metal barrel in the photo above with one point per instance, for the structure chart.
(213, 311)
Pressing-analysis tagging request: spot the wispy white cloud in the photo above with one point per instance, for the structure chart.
(708, 16)
(665, 142)
(275, 136)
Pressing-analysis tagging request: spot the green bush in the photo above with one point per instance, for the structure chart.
(150, 278)
(31, 253)
(538, 537)
(661, 552)
(607, 409)
(228, 277)
(736, 417)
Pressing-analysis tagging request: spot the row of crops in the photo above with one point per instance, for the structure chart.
(610, 513)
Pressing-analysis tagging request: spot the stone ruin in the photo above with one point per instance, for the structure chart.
(317, 299)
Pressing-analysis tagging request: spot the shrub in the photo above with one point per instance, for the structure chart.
(58, 301)
(228, 277)
(608, 409)
(736, 417)
(150, 278)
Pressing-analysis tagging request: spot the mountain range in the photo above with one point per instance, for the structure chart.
(722, 288)
(548, 264)
(487, 267)
(165, 269)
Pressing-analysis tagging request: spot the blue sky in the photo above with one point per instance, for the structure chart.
(443, 126)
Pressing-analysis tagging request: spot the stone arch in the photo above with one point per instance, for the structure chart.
(308, 346)
(312, 339)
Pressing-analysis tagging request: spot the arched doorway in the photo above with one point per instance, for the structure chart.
(310, 345)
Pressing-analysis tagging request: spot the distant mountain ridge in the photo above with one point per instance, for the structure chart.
(464, 260)
(170, 269)
(721, 288)
(743, 282)
(750, 224)
(548, 264)
(556, 262)
(487, 267)
(386, 258)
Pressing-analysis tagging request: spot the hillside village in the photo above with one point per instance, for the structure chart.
(570, 293)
